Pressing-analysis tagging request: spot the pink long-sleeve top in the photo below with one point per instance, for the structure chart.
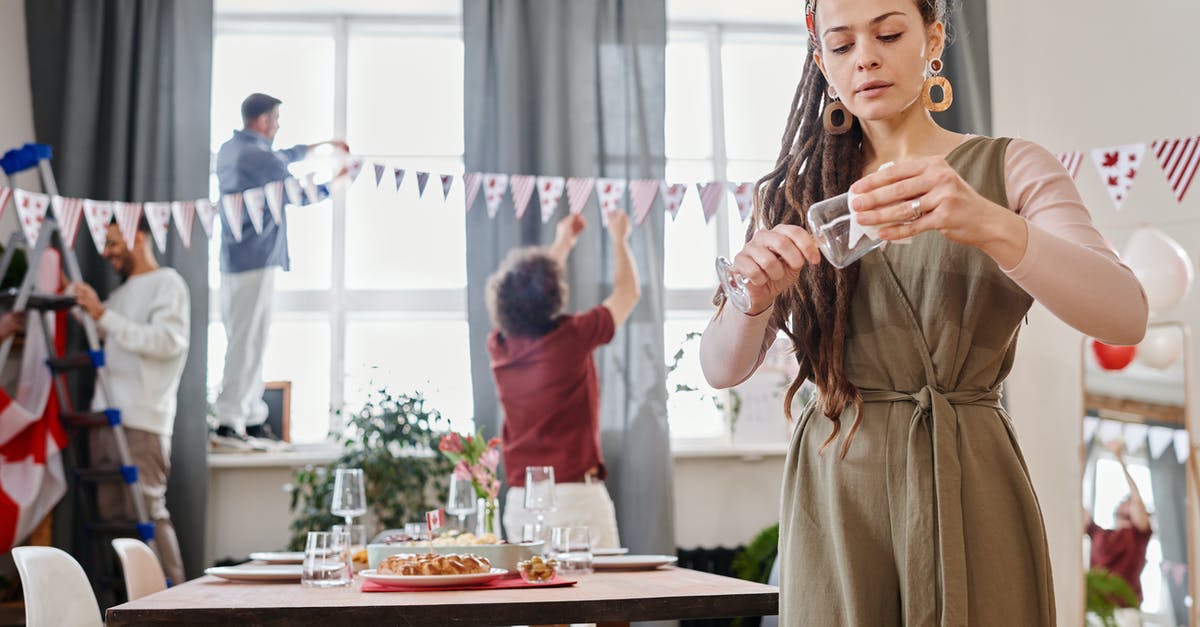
(1067, 267)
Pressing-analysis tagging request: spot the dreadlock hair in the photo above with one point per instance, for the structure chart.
(814, 313)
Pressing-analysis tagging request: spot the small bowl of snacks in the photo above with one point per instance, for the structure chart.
(538, 569)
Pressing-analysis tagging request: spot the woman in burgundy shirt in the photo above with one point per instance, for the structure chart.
(1122, 551)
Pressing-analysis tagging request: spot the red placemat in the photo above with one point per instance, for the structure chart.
(495, 584)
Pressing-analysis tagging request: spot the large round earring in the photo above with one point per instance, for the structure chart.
(833, 109)
(933, 70)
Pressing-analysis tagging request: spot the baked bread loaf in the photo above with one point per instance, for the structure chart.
(431, 564)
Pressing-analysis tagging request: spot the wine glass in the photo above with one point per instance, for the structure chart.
(349, 495)
(461, 501)
(539, 495)
(734, 285)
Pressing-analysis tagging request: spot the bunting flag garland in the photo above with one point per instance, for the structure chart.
(1178, 159)
(207, 213)
(379, 170)
(550, 191)
(274, 193)
(1117, 166)
(473, 180)
(184, 212)
(98, 214)
(231, 204)
(1158, 439)
(522, 191)
(128, 214)
(494, 186)
(579, 191)
(641, 197)
(31, 209)
(398, 176)
(710, 198)
(158, 215)
(422, 179)
(1071, 161)
(743, 195)
(5, 194)
(255, 200)
(447, 183)
(673, 194)
(1182, 445)
(294, 194)
(353, 168)
(67, 211)
(610, 192)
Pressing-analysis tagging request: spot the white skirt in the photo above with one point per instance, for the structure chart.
(576, 504)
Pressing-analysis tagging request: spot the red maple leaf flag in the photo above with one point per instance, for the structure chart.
(1117, 165)
(436, 519)
(1110, 159)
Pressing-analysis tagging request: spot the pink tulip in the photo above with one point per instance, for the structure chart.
(490, 459)
(462, 471)
(451, 443)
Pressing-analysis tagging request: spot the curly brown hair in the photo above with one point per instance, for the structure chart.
(814, 313)
(527, 293)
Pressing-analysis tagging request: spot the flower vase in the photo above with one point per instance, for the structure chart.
(488, 517)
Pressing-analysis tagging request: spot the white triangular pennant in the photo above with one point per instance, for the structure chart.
(522, 191)
(379, 170)
(231, 205)
(354, 167)
(1090, 423)
(447, 183)
(473, 181)
(1135, 436)
(295, 195)
(641, 198)
(579, 191)
(274, 194)
(550, 190)
(710, 198)
(422, 179)
(31, 210)
(255, 200)
(673, 194)
(1108, 431)
(1159, 438)
(1178, 158)
(158, 215)
(98, 213)
(1182, 445)
(207, 214)
(494, 186)
(128, 214)
(743, 195)
(1117, 165)
(611, 194)
(184, 214)
(67, 211)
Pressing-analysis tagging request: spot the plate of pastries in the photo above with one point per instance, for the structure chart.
(432, 570)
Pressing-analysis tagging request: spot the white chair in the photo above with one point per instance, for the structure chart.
(57, 592)
(143, 574)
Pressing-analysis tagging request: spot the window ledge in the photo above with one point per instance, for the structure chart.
(746, 452)
(301, 455)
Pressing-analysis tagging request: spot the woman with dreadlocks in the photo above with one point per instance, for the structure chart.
(906, 500)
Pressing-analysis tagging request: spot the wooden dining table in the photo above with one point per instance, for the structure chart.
(608, 596)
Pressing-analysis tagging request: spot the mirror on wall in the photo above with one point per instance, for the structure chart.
(1139, 481)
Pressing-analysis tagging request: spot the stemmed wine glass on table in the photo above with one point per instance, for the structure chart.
(349, 494)
(539, 496)
(461, 501)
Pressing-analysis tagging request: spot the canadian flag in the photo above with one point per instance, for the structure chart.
(436, 519)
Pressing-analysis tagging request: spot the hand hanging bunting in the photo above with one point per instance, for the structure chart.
(184, 213)
(1178, 159)
(274, 194)
(550, 190)
(447, 183)
(231, 205)
(494, 186)
(473, 181)
(1117, 166)
(1071, 161)
(710, 198)
(128, 214)
(422, 179)
(255, 199)
(158, 215)
(31, 210)
(579, 191)
(208, 213)
(673, 197)
(522, 191)
(641, 198)
(743, 195)
(67, 211)
(98, 214)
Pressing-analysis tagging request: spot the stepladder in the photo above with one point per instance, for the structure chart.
(46, 306)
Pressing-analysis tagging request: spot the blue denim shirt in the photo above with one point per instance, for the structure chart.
(244, 162)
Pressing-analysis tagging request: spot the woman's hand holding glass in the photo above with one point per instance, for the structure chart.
(767, 265)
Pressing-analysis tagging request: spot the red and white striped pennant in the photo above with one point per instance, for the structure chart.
(494, 186)
(1178, 159)
(98, 213)
(579, 191)
(710, 198)
(184, 214)
(447, 183)
(128, 214)
(673, 194)
(255, 203)
(1117, 166)
(208, 213)
(67, 211)
(1071, 160)
(743, 195)
(5, 194)
(473, 181)
(522, 191)
(550, 191)
(274, 194)
(158, 215)
(231, 205)
(422, 179)
(31, 210)
(641, 197)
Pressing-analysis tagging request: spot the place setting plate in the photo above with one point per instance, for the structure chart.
(607, 552)
(279, 557)
(257, 572)
(632, 562)
(432, 581)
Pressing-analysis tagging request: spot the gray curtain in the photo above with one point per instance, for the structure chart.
(1168, 481)
(577, 89)
(967, 69)
(121, 90)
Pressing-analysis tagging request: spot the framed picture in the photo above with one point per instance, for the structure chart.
(278, 397)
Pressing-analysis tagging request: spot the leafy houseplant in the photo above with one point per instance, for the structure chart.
(754, 562)
(394, 440)
(1105, 592)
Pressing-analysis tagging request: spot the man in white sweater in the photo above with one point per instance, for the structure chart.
(145, 327)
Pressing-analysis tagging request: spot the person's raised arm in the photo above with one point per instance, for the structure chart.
(626, 290)
(1137, 507)
(565, 236)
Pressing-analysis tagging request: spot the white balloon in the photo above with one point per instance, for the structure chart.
(1161, 347)
(1161, 264)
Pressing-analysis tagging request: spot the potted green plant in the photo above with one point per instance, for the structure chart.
(1106, 593)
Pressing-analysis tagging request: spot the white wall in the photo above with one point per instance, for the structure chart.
(1077, 75)
(16, 114)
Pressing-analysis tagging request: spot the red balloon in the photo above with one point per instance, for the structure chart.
(1113, 357)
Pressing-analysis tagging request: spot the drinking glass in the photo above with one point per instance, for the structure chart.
(356, 543)
(539, 496)
(326, 560)
(416, 530)
(349, 495)
(572, 547)
(461, 502)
